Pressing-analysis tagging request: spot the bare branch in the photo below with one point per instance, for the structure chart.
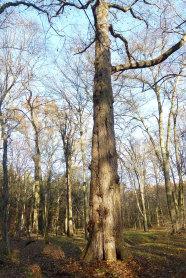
(150, 63)
(84, 50)
(18, 3)
(181, 24)
(151, 4)
(121, 8)
(80, 7)
(137, 17)
(116, 35)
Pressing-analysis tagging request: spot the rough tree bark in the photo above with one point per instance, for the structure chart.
(105, 229)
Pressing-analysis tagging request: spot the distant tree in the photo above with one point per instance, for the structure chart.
(166, 96)
(15, 60)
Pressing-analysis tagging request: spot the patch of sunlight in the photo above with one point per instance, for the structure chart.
(15, 256)
(35, 270)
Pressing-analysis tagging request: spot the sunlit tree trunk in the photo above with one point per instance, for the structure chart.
(57, 214)
(179, 170)
(105, 229)
(23, 215)
(143, 203)
(5, 240)
(46, 205)
(166, 162)
(84, 180)
(37, 215)
(69, 198)
(158, 209)
(68, 161)
(67, 139)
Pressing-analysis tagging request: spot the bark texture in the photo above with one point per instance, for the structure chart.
(105, 229)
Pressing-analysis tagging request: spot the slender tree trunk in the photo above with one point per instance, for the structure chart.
(170, 199)
(19, 213)
(69, 198)
(105, 228)
(57, 214)
(141, 210)
(36, 191)
(84, 181)
(148, 214)
(38, 209)
(166, 164)
(181, 211)
(67, 147)
(46, 219)
(139, 221)
(6, 246)
(142, 194)
(46, 206)
(157, 217)
(23, 213)
(157, 196)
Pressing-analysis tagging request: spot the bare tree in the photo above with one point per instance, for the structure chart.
(14, 69)
(105, 227)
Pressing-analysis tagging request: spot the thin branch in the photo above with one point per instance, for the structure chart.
(139, 18)
(121, 8)
(80, 52)
(181, 24)
(116, 35)
(81, 7)
(151, 4)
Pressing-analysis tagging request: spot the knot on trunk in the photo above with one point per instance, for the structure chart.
(102, 211)
(90, 226)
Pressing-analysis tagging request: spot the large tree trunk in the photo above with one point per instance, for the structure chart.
(105, 229)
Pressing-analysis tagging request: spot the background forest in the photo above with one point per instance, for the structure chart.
(47, 80)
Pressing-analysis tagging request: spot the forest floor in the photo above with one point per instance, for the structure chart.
(154, 254)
